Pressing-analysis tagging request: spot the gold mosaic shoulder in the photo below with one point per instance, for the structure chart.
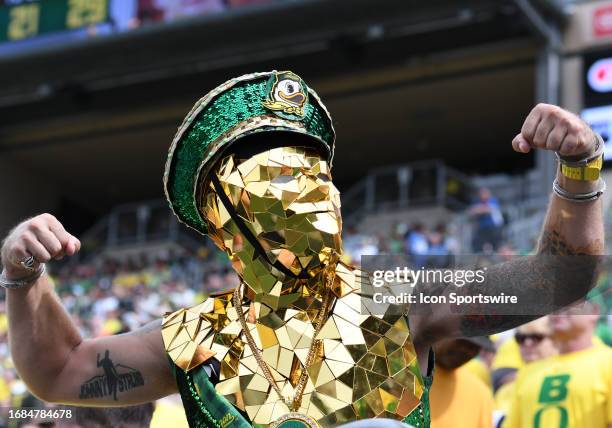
(348, 279)
(375, 298)
(188, 333)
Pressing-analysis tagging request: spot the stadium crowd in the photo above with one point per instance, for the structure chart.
(106, 296)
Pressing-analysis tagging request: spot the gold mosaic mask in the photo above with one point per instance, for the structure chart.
(286, 200)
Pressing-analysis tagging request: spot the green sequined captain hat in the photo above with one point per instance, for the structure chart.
(276, 101)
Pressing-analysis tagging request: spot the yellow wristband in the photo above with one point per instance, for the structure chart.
(589, 172)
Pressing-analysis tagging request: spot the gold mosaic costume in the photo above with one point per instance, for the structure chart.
(301, 342)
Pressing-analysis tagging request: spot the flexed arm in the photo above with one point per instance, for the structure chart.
(565, 266)
(50, 355)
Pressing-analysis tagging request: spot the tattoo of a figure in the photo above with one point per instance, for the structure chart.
(115, 378)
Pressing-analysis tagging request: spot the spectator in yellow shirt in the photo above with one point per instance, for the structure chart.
(458, 398)
(535, 343)
(572, 389)
(508, 355)
(535, 340)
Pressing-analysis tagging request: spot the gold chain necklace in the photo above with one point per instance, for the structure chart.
(295, 402)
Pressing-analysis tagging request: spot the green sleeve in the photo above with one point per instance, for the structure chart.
(204, 407)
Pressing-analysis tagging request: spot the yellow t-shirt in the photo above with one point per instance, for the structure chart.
(3, 323)
(504, 396)
(480, 370)
(565, 391)
(5, 390)
(508, 355)
(169, 413)
(111, 326)
(458, 396)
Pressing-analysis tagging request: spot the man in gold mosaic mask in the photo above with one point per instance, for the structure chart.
(299, 343)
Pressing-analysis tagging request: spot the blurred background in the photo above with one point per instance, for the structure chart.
(426, 98)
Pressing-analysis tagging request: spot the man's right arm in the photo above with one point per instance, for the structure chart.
(50, 355)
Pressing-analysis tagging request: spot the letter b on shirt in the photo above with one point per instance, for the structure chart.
(553, 391)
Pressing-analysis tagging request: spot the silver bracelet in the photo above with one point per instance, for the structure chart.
(579, 197)
(582, 160)
(13, 284)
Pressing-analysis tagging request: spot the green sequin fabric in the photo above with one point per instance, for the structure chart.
(204, 408)
(293, 424)
(229, 112)
(421, 417)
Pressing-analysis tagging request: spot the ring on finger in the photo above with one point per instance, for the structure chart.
(29, 263)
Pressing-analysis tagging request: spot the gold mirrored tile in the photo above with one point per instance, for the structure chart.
(288, 201)
(349, 333)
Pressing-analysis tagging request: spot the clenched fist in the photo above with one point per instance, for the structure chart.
(43, 237)
(551, 128)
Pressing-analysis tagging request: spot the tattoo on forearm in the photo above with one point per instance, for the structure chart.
(553, 243)
(115, 378)
(543, 283)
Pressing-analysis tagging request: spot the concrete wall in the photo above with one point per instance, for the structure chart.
(23, 194)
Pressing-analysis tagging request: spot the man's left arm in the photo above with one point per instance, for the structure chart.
(555, 277)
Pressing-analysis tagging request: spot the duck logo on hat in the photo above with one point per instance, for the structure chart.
(287, 95)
